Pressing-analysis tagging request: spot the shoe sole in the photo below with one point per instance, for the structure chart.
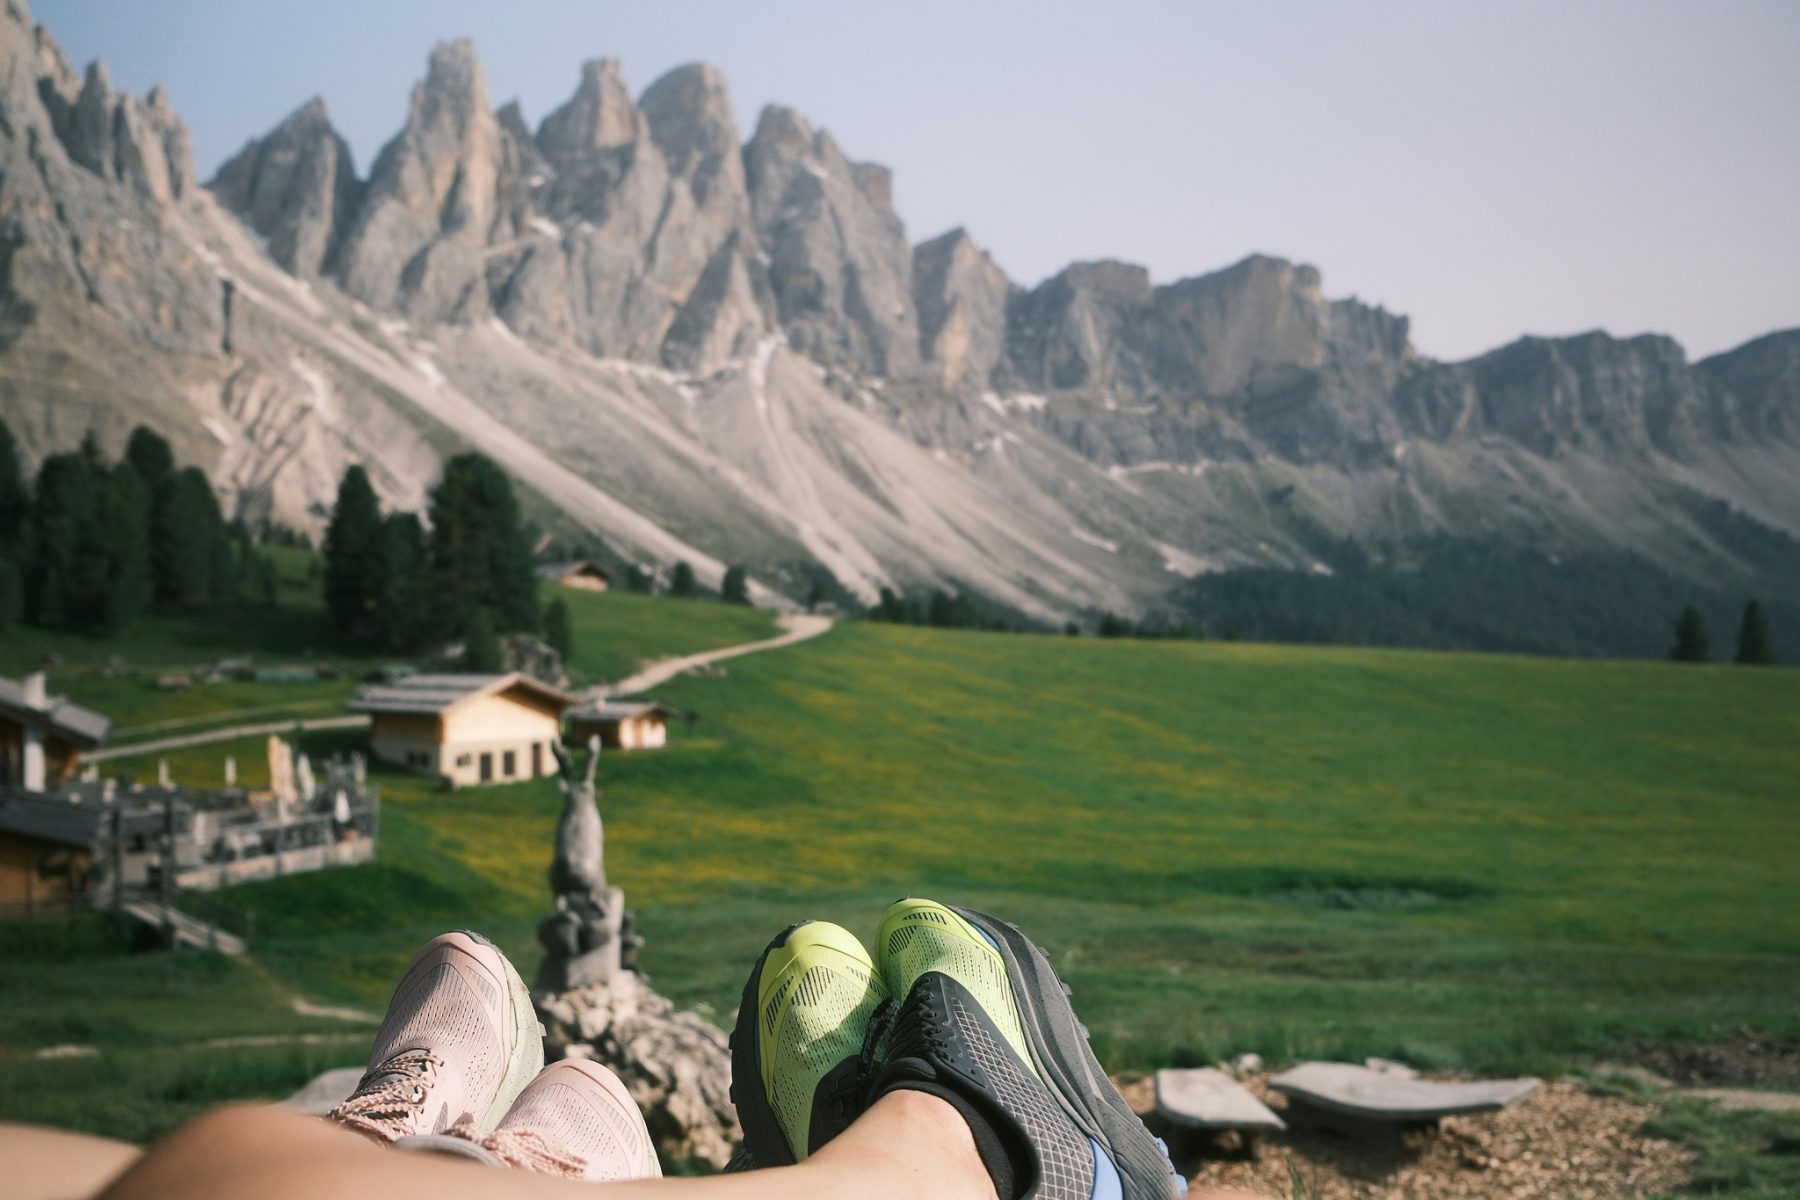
(527, 1057)
(1066, 1063)
(755, 1114)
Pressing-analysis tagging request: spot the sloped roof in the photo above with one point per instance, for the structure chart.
(72, 721)
(430, 694)
(49, 818)
(621, 710)
(559, 570)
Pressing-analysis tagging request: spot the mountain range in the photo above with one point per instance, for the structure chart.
(689, 345)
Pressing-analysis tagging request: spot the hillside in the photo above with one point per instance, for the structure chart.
(1475, 862)
(705, 346)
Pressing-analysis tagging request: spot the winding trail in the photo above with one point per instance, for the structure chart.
(226, 734)
(799, 627)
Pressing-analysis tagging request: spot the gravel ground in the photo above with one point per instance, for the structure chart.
(1558, 1143)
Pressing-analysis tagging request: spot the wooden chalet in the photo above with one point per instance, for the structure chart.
(466, 729)
(584, 574)
(623, 724)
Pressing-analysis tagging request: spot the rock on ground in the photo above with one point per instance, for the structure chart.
(1561, 1141)
(676, 1064)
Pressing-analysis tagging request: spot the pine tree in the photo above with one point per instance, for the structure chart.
(736, 587)
(1753, 646)
(146, 451)
(91, 568)
(66, 495)
(189, 557)
(682, 583)
(815, 596)
(1690, 637)
(481, 649)
(941, 614)
(557, 630)
(638, 580)
(405, 615)
(354, 563)
(124, 540)
(15, 532)
(480, 553)
(15, 497)
(887, 607)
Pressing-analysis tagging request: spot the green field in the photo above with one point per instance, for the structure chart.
(1463, 861)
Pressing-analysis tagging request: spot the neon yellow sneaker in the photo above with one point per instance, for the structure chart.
(804, 1041)
(983, 1023)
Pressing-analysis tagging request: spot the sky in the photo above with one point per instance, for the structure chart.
(1489, 169)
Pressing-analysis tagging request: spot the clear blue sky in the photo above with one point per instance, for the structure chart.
(1488, 169)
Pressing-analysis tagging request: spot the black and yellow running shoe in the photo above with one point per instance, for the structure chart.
(804, 1042)
(984, 1023)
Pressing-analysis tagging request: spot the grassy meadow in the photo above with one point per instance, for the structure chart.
(1464, 861)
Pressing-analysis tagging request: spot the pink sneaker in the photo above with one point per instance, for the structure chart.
(575, 1120)
(460, 1042)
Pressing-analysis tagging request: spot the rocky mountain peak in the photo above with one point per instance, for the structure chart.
(691, 116)
(599, 116)
(840, 265)
(296, 186)
(455, 80)
(694, 125)
(512, 120)
(431, 199)
(961, 297)
(780, 132)
(118, 137)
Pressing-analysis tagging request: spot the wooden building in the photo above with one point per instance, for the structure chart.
(466, 729)
(623, 724)
(42, 736)
(587, 575)
(47, 850)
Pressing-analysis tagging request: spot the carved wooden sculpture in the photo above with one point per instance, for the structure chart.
(587, 939)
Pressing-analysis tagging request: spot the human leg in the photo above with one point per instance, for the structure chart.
(906, 1147)
(48, 1164)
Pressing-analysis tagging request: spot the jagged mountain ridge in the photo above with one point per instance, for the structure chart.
(718, 349)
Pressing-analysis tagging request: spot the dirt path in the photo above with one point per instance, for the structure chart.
(799, 627)
(229, 733)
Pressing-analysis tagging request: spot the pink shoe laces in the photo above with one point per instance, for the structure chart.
(522, 1149)
(387, 1103)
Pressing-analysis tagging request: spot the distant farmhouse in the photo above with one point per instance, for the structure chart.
(42, 736)
(466, 729)
(70, 840)
(586, 575)
(623, 724)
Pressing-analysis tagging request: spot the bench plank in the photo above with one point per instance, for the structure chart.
(1383, 1096)
(1207, 1098)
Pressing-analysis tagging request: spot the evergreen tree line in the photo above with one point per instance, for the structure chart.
(1754, 648)
(91, 545)
(941, 609)
(683, 584)
(1487, 595)
(470, 576)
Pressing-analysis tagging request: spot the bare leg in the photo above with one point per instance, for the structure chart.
(48, 1164)
(909, 1146)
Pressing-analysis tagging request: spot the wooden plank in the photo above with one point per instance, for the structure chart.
(1384, 1096)
(1207, 1098)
